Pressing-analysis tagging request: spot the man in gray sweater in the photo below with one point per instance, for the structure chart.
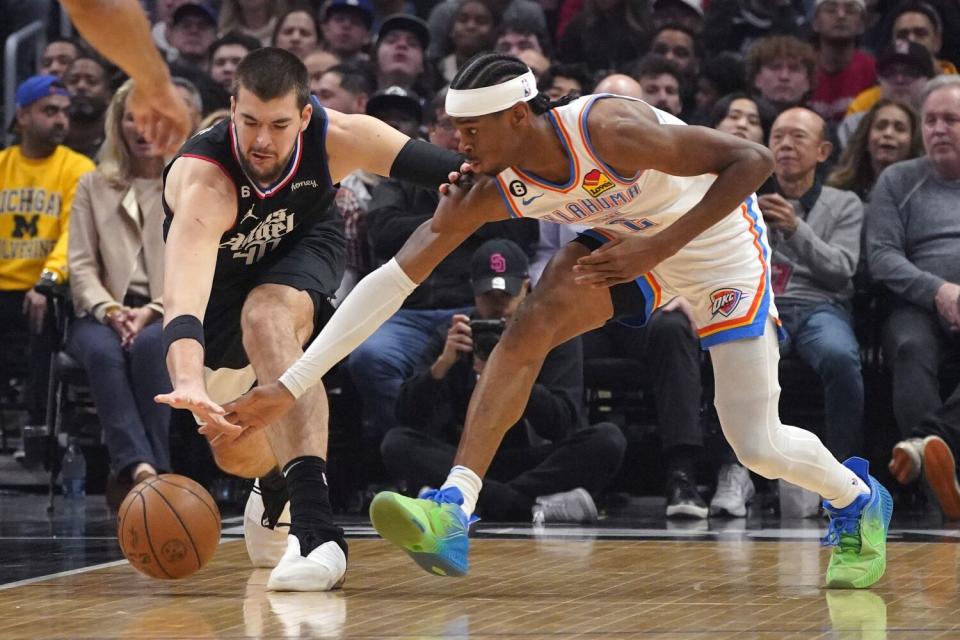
(913, 240)
(815, 233)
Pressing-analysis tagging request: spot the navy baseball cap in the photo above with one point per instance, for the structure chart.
(36, 87)
(196, 9)
(406, 22)
(363, 7)
(499, 265)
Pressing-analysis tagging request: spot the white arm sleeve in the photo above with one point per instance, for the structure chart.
(371, 303)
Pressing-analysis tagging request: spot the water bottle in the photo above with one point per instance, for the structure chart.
(73, 471)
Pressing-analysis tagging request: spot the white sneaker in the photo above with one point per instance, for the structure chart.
(734, 490)
(265, 546)
(574, 506)
(322, 570)
(906, 460)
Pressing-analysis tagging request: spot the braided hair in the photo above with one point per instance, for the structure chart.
(488, 69)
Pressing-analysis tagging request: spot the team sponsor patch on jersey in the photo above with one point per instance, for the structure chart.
(596, 182)
(724, 301)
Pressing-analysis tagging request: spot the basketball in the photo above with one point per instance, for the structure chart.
(168, 527)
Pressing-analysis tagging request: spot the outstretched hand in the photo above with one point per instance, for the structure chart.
(208, 413)
(619, 261)
(260, 407)
(160, 115)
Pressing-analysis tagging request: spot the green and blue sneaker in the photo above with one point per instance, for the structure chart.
(432, 529)
(858, 534)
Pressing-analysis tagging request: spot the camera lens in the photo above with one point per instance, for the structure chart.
(484, 342)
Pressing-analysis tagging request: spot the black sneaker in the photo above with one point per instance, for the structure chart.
(683, 499)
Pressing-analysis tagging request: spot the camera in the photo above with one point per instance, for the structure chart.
(486, 335)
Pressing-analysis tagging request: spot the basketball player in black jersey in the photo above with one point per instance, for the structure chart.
(254, 252)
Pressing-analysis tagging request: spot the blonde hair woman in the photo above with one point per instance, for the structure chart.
(116, 278)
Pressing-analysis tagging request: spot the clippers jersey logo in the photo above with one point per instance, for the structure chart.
(252, 247)
(725, 301)
(596, 182)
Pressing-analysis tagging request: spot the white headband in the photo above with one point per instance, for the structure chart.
(469, 103)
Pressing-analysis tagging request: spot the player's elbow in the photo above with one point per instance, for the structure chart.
(762, 158)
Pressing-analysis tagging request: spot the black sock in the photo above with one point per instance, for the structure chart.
(310, 512)
(273, 491)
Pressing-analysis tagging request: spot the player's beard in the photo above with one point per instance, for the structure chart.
(264, 178)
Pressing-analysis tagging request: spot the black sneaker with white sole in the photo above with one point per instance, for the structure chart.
(683, 499)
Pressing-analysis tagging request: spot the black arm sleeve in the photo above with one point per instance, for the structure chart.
(424, 164)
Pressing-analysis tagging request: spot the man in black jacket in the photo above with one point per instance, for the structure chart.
(381, 364)
(550, 461)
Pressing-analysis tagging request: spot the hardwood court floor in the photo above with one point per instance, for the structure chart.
(517, 588)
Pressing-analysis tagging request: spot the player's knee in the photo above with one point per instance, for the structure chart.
(520, 344)
(260, 319)
(274, 311)
(756, 451)
(246, 462)
(527, 336)
(744, 419)
(764, 461)
(265, 328)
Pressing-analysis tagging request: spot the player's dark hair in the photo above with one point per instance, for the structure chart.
(488, 69)
(271, 73)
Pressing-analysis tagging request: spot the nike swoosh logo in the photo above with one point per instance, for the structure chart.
(527, 201)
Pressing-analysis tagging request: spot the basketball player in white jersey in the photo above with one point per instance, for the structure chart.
(671, 212)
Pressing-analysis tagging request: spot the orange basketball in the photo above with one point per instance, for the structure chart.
(168, 527)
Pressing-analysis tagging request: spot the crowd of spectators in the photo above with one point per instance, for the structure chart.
(859, 101)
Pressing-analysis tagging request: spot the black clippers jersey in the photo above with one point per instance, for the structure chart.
(269, 220)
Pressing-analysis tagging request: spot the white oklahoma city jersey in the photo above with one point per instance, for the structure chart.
(723, 272)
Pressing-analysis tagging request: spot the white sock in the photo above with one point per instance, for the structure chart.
(855, 488)
(369, 305)
(469, 484)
